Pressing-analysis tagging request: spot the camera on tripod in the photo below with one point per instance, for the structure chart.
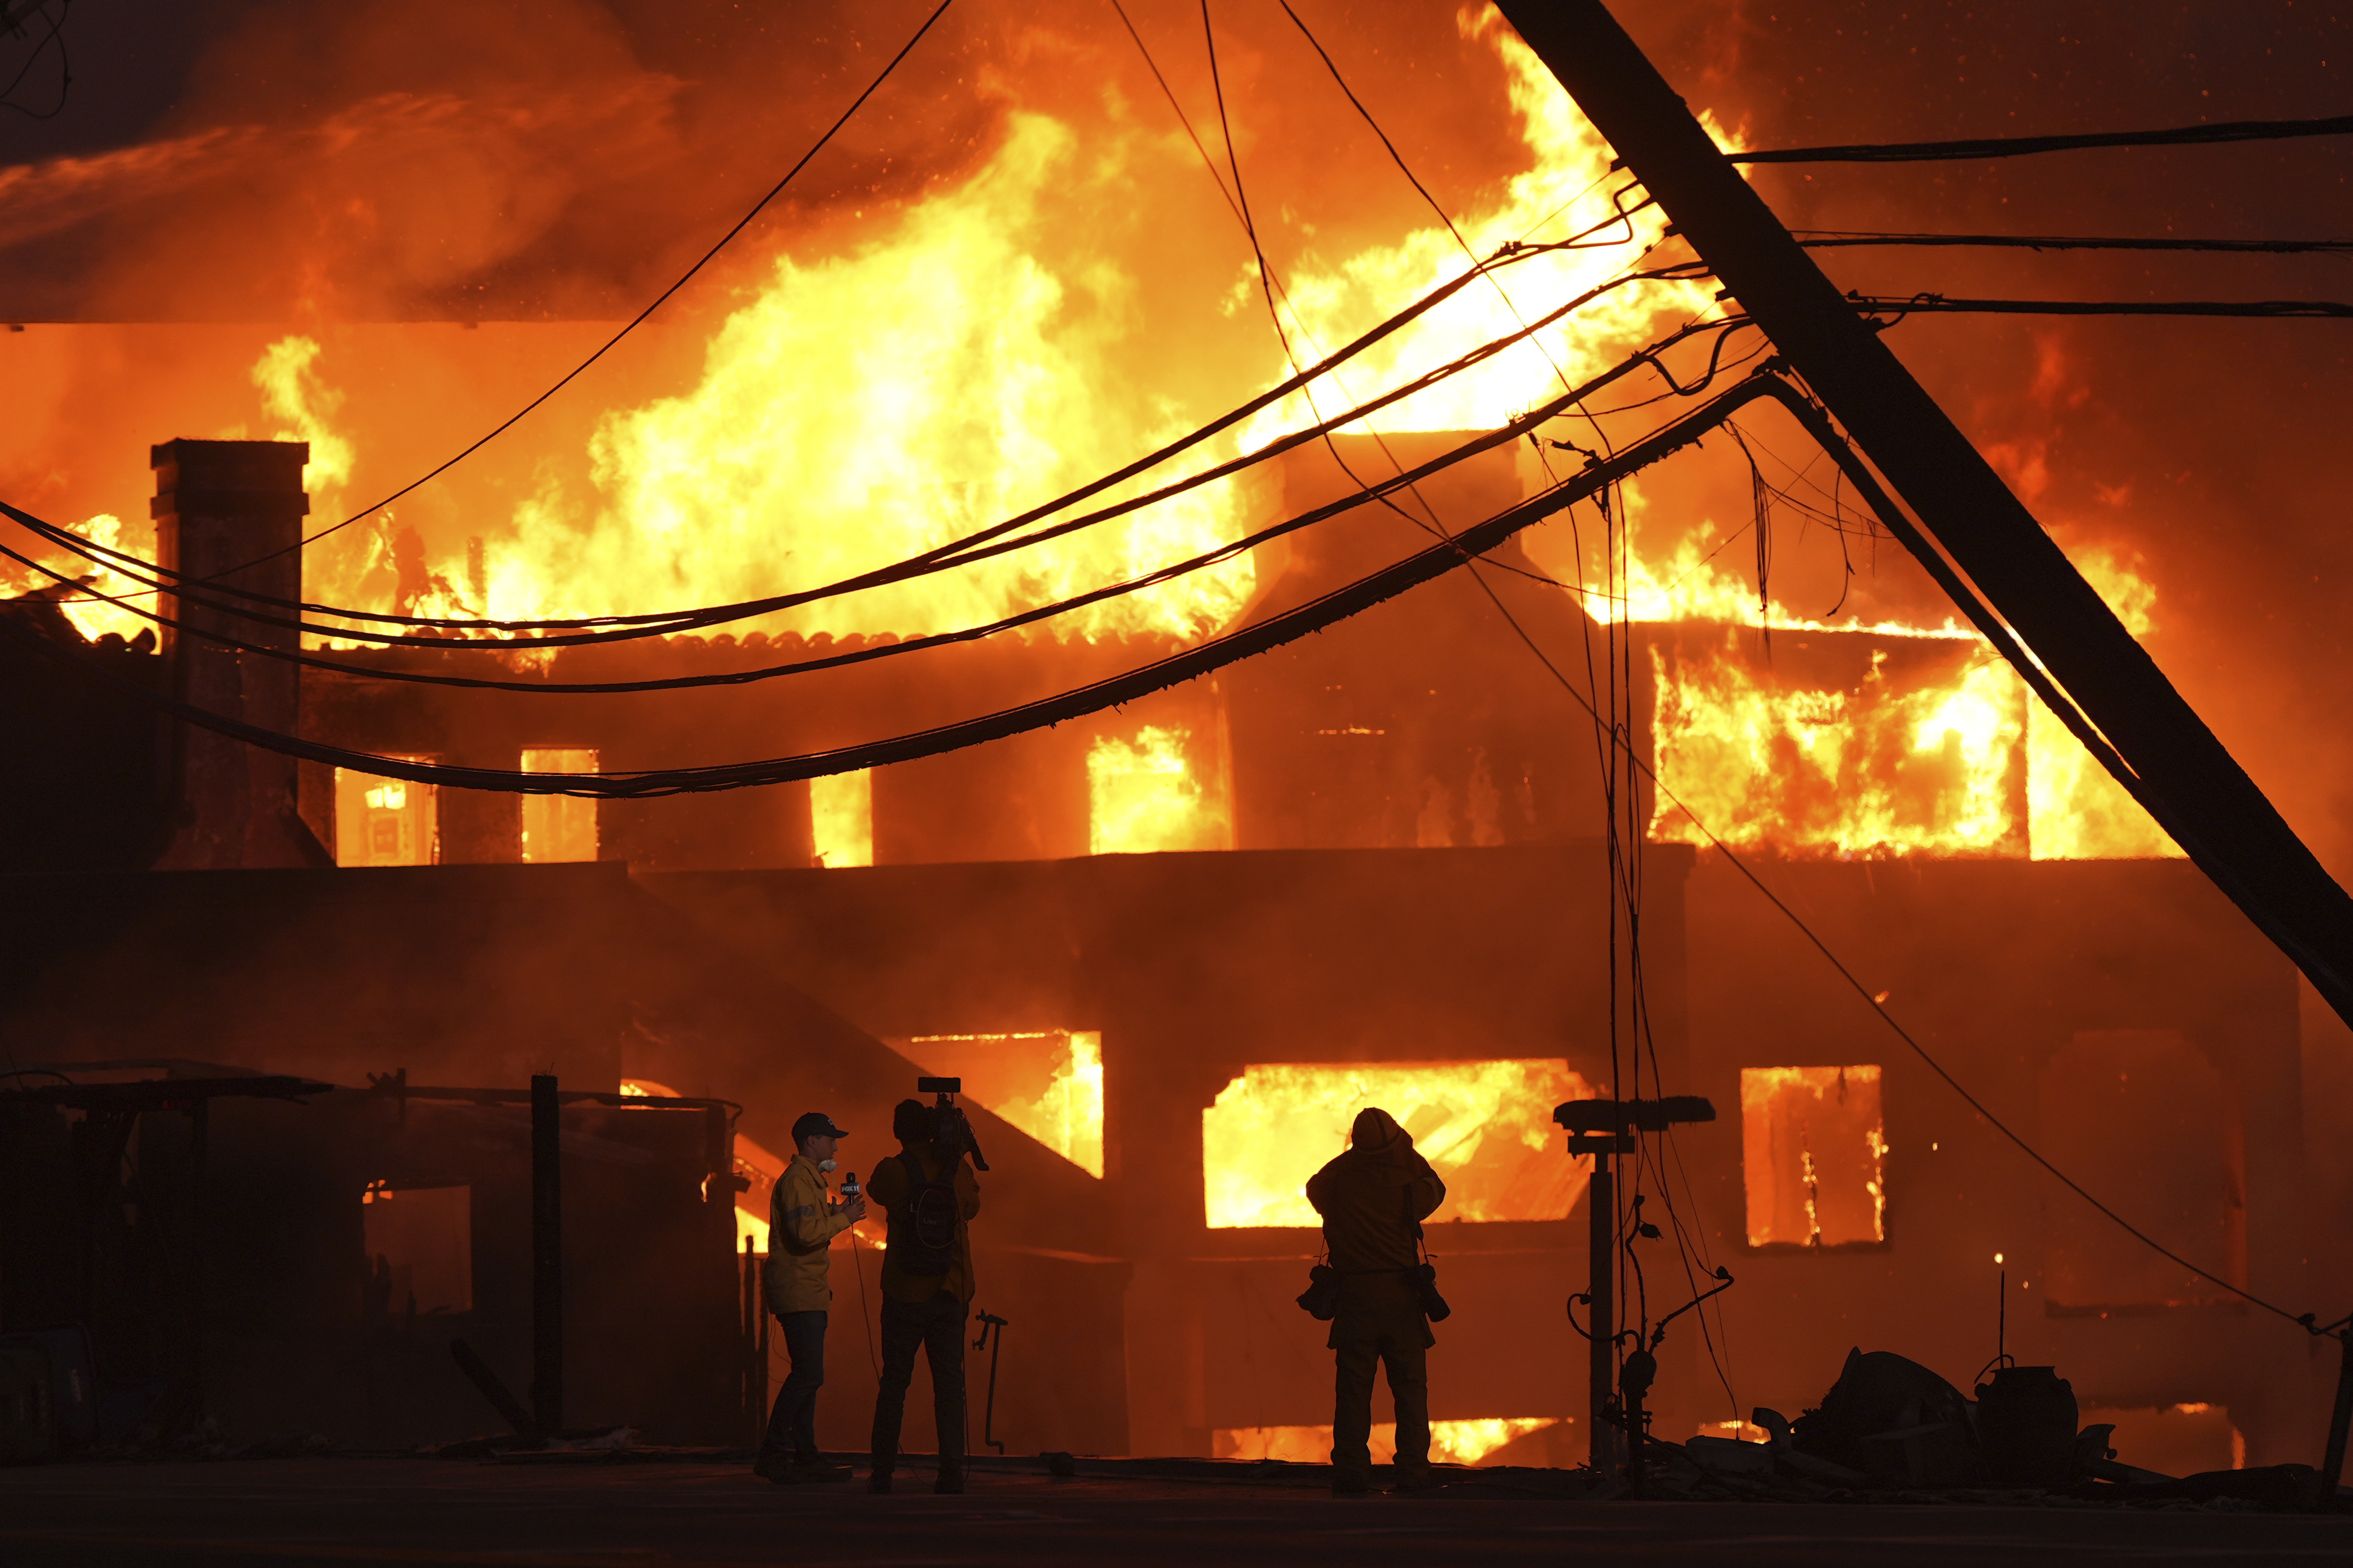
(953, 1135)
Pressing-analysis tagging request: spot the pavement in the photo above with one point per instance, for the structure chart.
(588, 1510)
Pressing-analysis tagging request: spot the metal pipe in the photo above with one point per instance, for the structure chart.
(1601, 1194)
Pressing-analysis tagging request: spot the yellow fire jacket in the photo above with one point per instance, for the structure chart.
(802, 1224)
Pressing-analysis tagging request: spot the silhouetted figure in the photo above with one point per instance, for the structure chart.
(1373, 1199)
(802, 1222)
(931, 1196)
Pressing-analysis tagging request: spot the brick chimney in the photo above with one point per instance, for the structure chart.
(230, 513)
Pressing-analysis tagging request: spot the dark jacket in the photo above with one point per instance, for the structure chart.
(1374, 1198)
(891, 1186)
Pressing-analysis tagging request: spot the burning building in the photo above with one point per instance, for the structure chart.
(1173, 947)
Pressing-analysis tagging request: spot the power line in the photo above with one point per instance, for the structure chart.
(1938, 304)
(12, 17)
(659, 299)
(1326, 609)
(1834, 239)
(955, 551)
(879, 650)
(1880, 501)
(2020, 146)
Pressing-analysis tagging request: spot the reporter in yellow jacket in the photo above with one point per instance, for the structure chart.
(803, 1220)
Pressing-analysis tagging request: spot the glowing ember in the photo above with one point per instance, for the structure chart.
(1147, 794)
(1485, 1127)
(1450, 1442)
(1813, 1155)
(1048, 1083)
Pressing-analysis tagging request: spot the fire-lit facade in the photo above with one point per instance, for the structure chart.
(1171, 946)
(1173, 951)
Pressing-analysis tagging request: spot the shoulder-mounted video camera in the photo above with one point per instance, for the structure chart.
(954, 1136)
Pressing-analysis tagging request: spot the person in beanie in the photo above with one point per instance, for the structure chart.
(1373, 1199)
(802, 1222)
(931, 1196)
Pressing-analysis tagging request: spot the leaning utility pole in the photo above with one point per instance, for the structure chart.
(2193, 785)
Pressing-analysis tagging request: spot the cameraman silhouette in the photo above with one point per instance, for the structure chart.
(931, 1196)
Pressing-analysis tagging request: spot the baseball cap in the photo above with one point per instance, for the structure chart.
(816, 1124)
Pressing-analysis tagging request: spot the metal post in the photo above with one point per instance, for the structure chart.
(2332, 1465)
(2196, 790)
(546, 1255)
(1601, 1192)
(753, 1378)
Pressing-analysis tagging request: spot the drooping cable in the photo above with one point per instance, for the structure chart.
(1834, 239)
(639, 319)
(870, 651)
(954, 552)
(2020, 146)
(1938, 304)
(1326, 609)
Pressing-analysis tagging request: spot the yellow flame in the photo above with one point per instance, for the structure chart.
(292, 391)
(868, 405)
(91, 618)
(1067, 1116)
(1147, 795)
(1450, 1442)
(1563, 189)
(1485, 1127)
(1867, 773)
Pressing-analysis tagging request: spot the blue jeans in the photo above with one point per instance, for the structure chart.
(792, 1426)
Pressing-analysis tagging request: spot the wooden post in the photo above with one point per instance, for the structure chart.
(546, 1255)
(2332, 1464)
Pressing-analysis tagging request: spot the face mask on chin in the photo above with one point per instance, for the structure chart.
(826, 1165)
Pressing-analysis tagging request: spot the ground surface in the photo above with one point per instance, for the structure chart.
(362, 1510)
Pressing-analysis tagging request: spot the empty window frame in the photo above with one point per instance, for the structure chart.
(559, 827)
(1813, 1151)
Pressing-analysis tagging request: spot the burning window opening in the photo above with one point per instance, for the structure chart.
(386, 822)
(420, 1246)
(841, 818)
(1924, 753)
(1813, 1151)
(1049, 1083)
(1484, 1126)
(1450, 1442)
(1152, 793)
(559, 827)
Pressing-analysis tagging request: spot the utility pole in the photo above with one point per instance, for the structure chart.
(2198, 791)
